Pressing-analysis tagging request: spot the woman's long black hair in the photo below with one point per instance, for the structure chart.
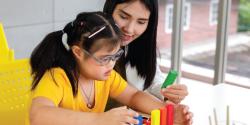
(142, 51)
(51, 52)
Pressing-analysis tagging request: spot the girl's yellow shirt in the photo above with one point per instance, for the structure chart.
(60, 92)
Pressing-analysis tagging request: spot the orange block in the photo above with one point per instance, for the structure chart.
(163, 116)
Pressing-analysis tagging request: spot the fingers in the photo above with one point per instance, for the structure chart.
(130, 117)
(188, 114)
(178, 89)
(127, 116)
(175, 93)
(185, 109)
(132, 113)
(178, 86)
(172, 97)
(120, 108)
(127, 112)
(189, 118)
(129, 120)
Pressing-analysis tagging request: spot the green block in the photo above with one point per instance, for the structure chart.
(172, 75)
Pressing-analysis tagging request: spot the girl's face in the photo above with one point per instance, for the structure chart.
(132, 19)
(99, 65)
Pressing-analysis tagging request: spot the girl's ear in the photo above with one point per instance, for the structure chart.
(76, 50)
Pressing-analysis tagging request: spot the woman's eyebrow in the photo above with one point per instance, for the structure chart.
(124, 12)
(127, 14)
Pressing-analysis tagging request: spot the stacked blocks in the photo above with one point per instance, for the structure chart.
(163, 116)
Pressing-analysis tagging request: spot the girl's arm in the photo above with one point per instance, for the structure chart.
(141, 101)
(44, 112)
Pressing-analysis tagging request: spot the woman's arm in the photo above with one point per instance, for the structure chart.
(174, 93)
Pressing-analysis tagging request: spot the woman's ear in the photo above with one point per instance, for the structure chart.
(76, 50)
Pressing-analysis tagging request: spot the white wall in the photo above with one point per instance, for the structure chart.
(26, 22)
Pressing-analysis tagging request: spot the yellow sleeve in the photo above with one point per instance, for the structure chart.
(118, 84)
(48, 88)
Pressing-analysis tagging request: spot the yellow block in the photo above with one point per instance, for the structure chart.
(155, 117)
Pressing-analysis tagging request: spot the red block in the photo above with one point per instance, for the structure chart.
(146, 121)
(170, 114)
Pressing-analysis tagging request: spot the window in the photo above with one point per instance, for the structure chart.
(213, 15)
(169, 17)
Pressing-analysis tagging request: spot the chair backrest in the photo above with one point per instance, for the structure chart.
(15, 81)
(6, 54)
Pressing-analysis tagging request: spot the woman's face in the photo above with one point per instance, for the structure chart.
(132, 19)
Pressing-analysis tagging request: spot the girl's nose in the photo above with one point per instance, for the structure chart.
(111, 63)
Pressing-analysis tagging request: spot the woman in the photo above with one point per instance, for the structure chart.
(138, 20)
(74, 76)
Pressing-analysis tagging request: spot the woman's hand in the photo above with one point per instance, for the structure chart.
(175, 93)
(182, 115)
(118, 116)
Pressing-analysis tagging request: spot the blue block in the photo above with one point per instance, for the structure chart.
(140, 119)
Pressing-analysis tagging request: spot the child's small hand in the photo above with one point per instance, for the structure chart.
(119, 116)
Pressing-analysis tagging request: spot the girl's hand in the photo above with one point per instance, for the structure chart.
(182, 115)
(118, 116)
(175, 93)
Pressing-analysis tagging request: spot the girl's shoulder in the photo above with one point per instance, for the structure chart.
(114, 74)
(57, 70)
(56, 73)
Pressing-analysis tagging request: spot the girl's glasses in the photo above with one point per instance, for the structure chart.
(105, 60)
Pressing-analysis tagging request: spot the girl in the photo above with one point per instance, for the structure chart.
(73, 76)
